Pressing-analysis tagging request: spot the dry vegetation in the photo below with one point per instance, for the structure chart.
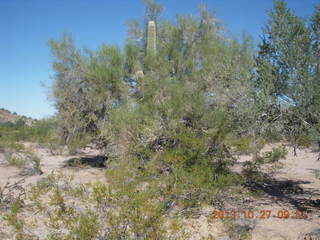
(179, 122)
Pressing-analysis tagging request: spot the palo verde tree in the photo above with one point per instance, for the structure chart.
(287, 71)
(86, 86)
(188, 102)
(179, 115)
(191, 56)
(314, 112)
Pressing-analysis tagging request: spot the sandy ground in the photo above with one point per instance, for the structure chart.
(51, 163)
(294, 187)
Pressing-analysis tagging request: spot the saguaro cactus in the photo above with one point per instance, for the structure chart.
(151, 39)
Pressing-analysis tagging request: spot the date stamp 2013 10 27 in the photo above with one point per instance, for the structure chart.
(258, 214)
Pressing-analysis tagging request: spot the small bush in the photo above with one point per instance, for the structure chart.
(242, 144)
(16, 161)
(276, 154)
(86, 227)
(78, 142)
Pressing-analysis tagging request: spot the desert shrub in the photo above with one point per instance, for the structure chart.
(17, 223)
(24, 158)
(79, 142)
(16, 161)
(276, 154)
(140, 216)
(251, 170)
(42, 131)
(306, 140)
(12, 218)
(87, 226)
(241, 144)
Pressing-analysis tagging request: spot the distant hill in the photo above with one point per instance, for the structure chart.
(8, 117)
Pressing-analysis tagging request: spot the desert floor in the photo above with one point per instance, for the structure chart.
(295, 186)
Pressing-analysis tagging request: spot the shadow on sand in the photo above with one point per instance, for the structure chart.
(92, 161)
(287, 191)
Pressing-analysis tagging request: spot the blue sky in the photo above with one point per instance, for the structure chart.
(27, 25)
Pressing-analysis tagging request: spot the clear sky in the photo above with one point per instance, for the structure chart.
(27, 25)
